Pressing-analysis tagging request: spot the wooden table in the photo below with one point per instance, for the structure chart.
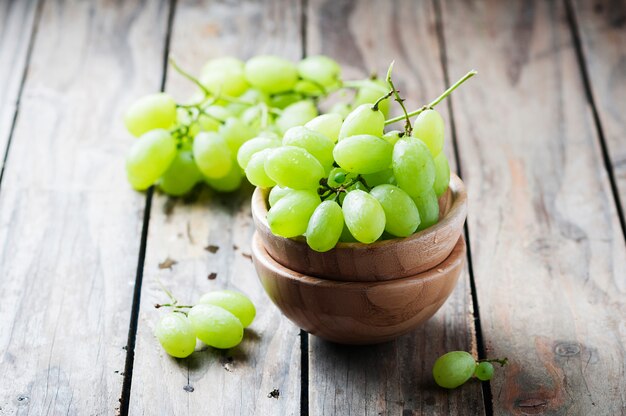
(539, 138)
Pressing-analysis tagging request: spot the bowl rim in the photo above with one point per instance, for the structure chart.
(458, 208)
(260, 255)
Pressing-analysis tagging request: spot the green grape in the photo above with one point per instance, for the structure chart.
(325, 226)
(277, 193)
(484, 371)
(215, 326)
(357, 185)
(176, 335)
(372, 91)
(453, 369)
(235, 132)
(320, 69)
(442, 174)
(413, 166)
(401, 214)
(379, 178)
(320, 146)
(296, 114)
(393, 136)
(252, 96)
(212, 154)
(346, 236)
(252, 146)
(363, 120)
(271, 74)
(234, 302)
(284, 99)
(327, 124)
(217, 115)
(252, 116)
(228, 183)
(182, 174)
(429, 128)
(154, 111)
(294, 167)
(305, 87)
(289, 216)
(363, 154)
(255, 170)
(269, 134)
(149, 158)
(428, 206)
(337, 177)
(364, 216)
(224, 76)
(342, 110)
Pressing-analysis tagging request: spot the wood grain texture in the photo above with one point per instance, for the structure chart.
(392, 378)
(17, 20)
(602, 28)
(237, 381)
(548, 253)
(68, 220)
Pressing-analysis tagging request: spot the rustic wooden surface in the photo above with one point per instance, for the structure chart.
(68, 236)
(237, 381)
(540, 136)
(548, 252)
(601, 28)
(18, 21)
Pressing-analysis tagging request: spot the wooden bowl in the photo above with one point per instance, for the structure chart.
(380, 261)
(357, 312)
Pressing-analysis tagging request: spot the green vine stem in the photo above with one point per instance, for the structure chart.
(502, 361)
(436, 100)
(408, 129)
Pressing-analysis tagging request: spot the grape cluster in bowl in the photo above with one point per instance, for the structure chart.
(345, 179)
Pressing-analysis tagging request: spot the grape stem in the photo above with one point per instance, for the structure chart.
(264, 115)
(436, 100)
(327, 191)
(171, 305)
(204, 89)
(502, 361)
(190, 77)
(408, 129)
(384, 97)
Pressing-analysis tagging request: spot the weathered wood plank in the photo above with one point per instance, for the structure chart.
(602, 28)
(237, 381)
(17, 19)
(392, 378)
(69, 223)
(548, 253)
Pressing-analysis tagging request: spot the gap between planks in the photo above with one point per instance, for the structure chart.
(18, 98)
(480, 342)
(586, 80)
(134, 314)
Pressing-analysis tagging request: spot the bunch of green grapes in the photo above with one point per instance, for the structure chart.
(453, 369)
(345, 179)
(180, 145)
(218, 320)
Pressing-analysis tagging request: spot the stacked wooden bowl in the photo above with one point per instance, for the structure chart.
(363, 293)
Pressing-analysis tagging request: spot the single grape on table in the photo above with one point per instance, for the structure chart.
(455, 368)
